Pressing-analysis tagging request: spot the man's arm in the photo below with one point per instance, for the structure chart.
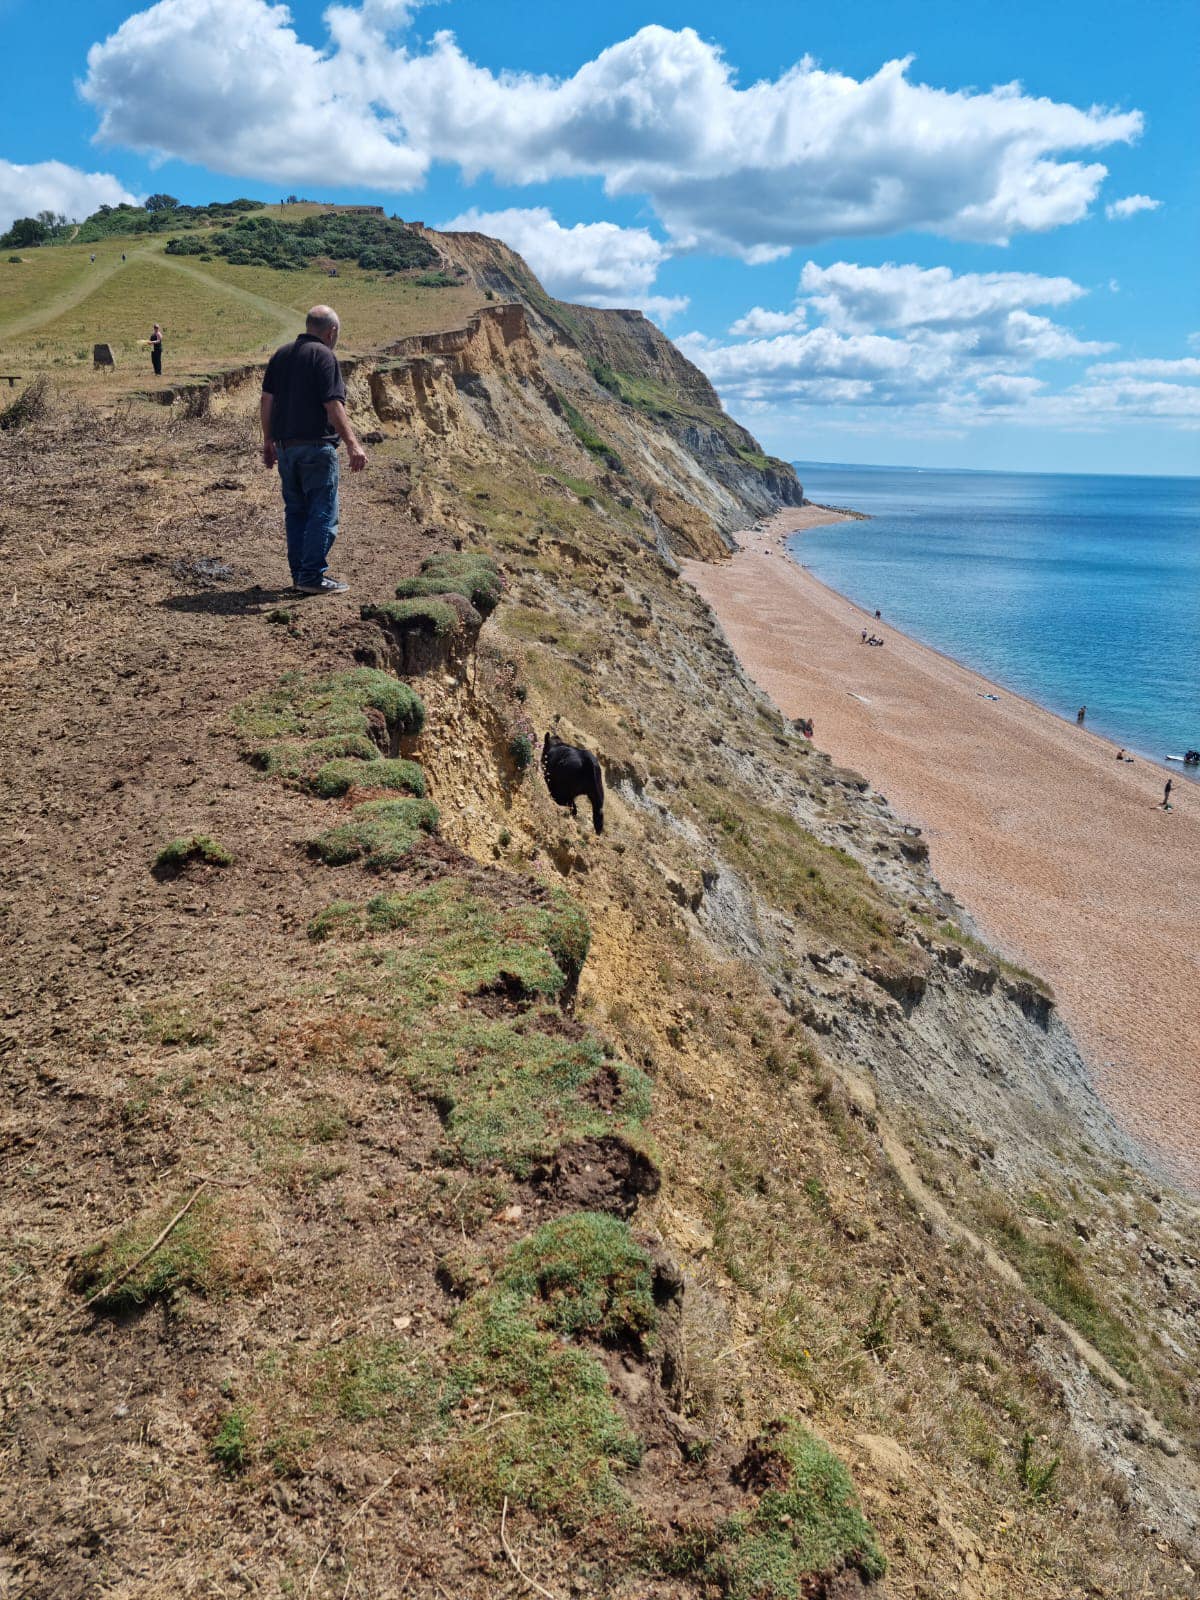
(265, 406)
(340, 423)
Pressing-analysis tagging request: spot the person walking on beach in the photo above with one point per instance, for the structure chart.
(156, 343)
(1166, 799)
(303, 415)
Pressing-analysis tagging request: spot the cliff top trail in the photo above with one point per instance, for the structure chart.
(410, 1192)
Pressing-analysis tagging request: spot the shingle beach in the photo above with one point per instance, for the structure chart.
(1060, 853)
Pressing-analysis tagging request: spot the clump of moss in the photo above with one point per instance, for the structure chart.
(338, 777)
(585, 1277)
(465, 572)
(294, 760)
(512, 1098)
(339, 703)
(807, 1523)
(430, 614)
(202, 1253)
(462, 942)
(561, 1444)
(174, 857)
(380, 833)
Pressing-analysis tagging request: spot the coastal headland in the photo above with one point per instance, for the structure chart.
(1061, 854)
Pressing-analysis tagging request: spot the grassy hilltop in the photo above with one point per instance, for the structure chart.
(410, 1191)
(56, 303)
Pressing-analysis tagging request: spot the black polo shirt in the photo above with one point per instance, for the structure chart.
(302, 377)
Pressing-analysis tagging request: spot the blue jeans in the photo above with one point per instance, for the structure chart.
(308, 476)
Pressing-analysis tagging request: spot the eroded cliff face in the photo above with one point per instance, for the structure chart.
(733, 837)
(623, 366)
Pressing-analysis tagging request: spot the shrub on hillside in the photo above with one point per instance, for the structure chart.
(378, 244)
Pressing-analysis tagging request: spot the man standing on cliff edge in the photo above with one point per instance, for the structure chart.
(303, 413)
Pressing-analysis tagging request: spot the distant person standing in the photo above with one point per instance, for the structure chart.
(303, 415)
(1080, 714)
(1166, 799)
(156, 344)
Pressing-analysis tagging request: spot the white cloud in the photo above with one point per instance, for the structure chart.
(1089, 404)
(757, 321)
(849, 296)
(822, 364)
(229, 85)
(594, 263)
(953, 350)
(1006, 389)
(1183, 367)
(1129, 206)
(53, 186)
(752, 171)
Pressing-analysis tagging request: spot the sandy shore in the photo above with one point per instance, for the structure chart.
(1060, 852)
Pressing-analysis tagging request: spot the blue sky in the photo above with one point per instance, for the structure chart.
(873, 262)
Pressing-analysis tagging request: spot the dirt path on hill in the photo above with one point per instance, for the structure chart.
(283, 315)
(95, 276)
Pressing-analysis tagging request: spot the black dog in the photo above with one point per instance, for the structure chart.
(570, 772)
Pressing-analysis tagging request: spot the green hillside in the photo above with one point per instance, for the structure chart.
(55, 303)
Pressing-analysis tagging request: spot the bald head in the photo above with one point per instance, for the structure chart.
(324, 324)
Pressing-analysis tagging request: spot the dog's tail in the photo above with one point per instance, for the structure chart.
(596, 792)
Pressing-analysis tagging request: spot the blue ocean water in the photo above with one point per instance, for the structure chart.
(1070, 590)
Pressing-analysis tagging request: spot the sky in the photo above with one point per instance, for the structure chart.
(901, 233)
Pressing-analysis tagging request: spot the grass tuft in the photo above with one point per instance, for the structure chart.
(585, 1277)
(559, 1445)
(511, 1097)
(174, 857)
(31, 405)
(426, 614)
(339, 777)
(203, 1252)
(807, 1524)
(461, 942)
(231, 1447)
(465, 572)
(340, 703)
(293, 761)
(380, 833)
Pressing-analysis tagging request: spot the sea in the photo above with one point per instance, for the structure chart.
(1070, 590)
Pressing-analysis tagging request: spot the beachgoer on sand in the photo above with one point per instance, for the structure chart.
(1166, 799)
